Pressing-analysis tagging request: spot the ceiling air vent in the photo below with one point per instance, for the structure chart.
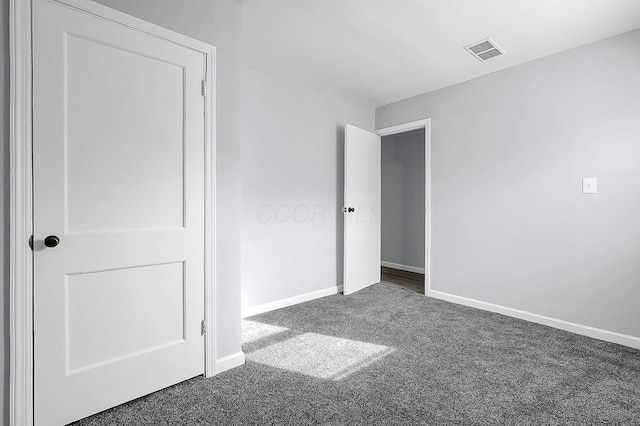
(484, 49)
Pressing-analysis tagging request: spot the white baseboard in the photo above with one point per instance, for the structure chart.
(230, 361)
(283, 303)
(584, 330)
(402, 267)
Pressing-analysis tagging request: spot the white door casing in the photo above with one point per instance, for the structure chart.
(120, 159)
(362, 171)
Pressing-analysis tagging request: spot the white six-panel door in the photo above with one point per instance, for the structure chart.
(118, 142)
(362, 201)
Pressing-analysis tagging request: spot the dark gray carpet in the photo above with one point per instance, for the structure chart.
(389, 356)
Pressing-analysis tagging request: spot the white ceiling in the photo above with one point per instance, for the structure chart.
(380, 51)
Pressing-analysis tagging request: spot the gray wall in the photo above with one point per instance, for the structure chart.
(403, 198)
(217, 22)
(510, 225)
(292, 160)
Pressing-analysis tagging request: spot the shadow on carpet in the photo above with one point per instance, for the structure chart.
(389, 356)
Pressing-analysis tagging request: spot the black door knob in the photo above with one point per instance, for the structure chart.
(351, 210)
(51, 241)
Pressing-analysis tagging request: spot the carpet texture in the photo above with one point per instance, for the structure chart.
(390, 356)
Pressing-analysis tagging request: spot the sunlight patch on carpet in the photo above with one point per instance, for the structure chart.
(317, 355)
(253, 331)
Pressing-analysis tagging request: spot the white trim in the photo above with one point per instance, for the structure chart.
(20, 222)
(406, 127)
(21, 211)
(100, 11)
(401, 267)
(210, 231)
(230, 361)
(584, 330)
(249, 311)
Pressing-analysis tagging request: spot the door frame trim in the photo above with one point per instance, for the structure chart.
(406, 127)
(21, 375)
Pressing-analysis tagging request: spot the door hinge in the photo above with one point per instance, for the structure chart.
(204, 87)
(203, 328)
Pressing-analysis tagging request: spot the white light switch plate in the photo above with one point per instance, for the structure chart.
(589, 185)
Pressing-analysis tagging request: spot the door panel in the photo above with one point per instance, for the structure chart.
(96, 147)
(105, 321)
(362, 194)
(119, 138)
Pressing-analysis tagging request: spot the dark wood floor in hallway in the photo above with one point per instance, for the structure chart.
(411, 281)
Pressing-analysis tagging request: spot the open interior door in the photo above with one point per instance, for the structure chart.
(118, 148)
(361, 209)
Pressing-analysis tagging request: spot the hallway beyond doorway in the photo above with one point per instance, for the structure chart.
(405, 280)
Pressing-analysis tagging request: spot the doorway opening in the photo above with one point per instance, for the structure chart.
(405, 206)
